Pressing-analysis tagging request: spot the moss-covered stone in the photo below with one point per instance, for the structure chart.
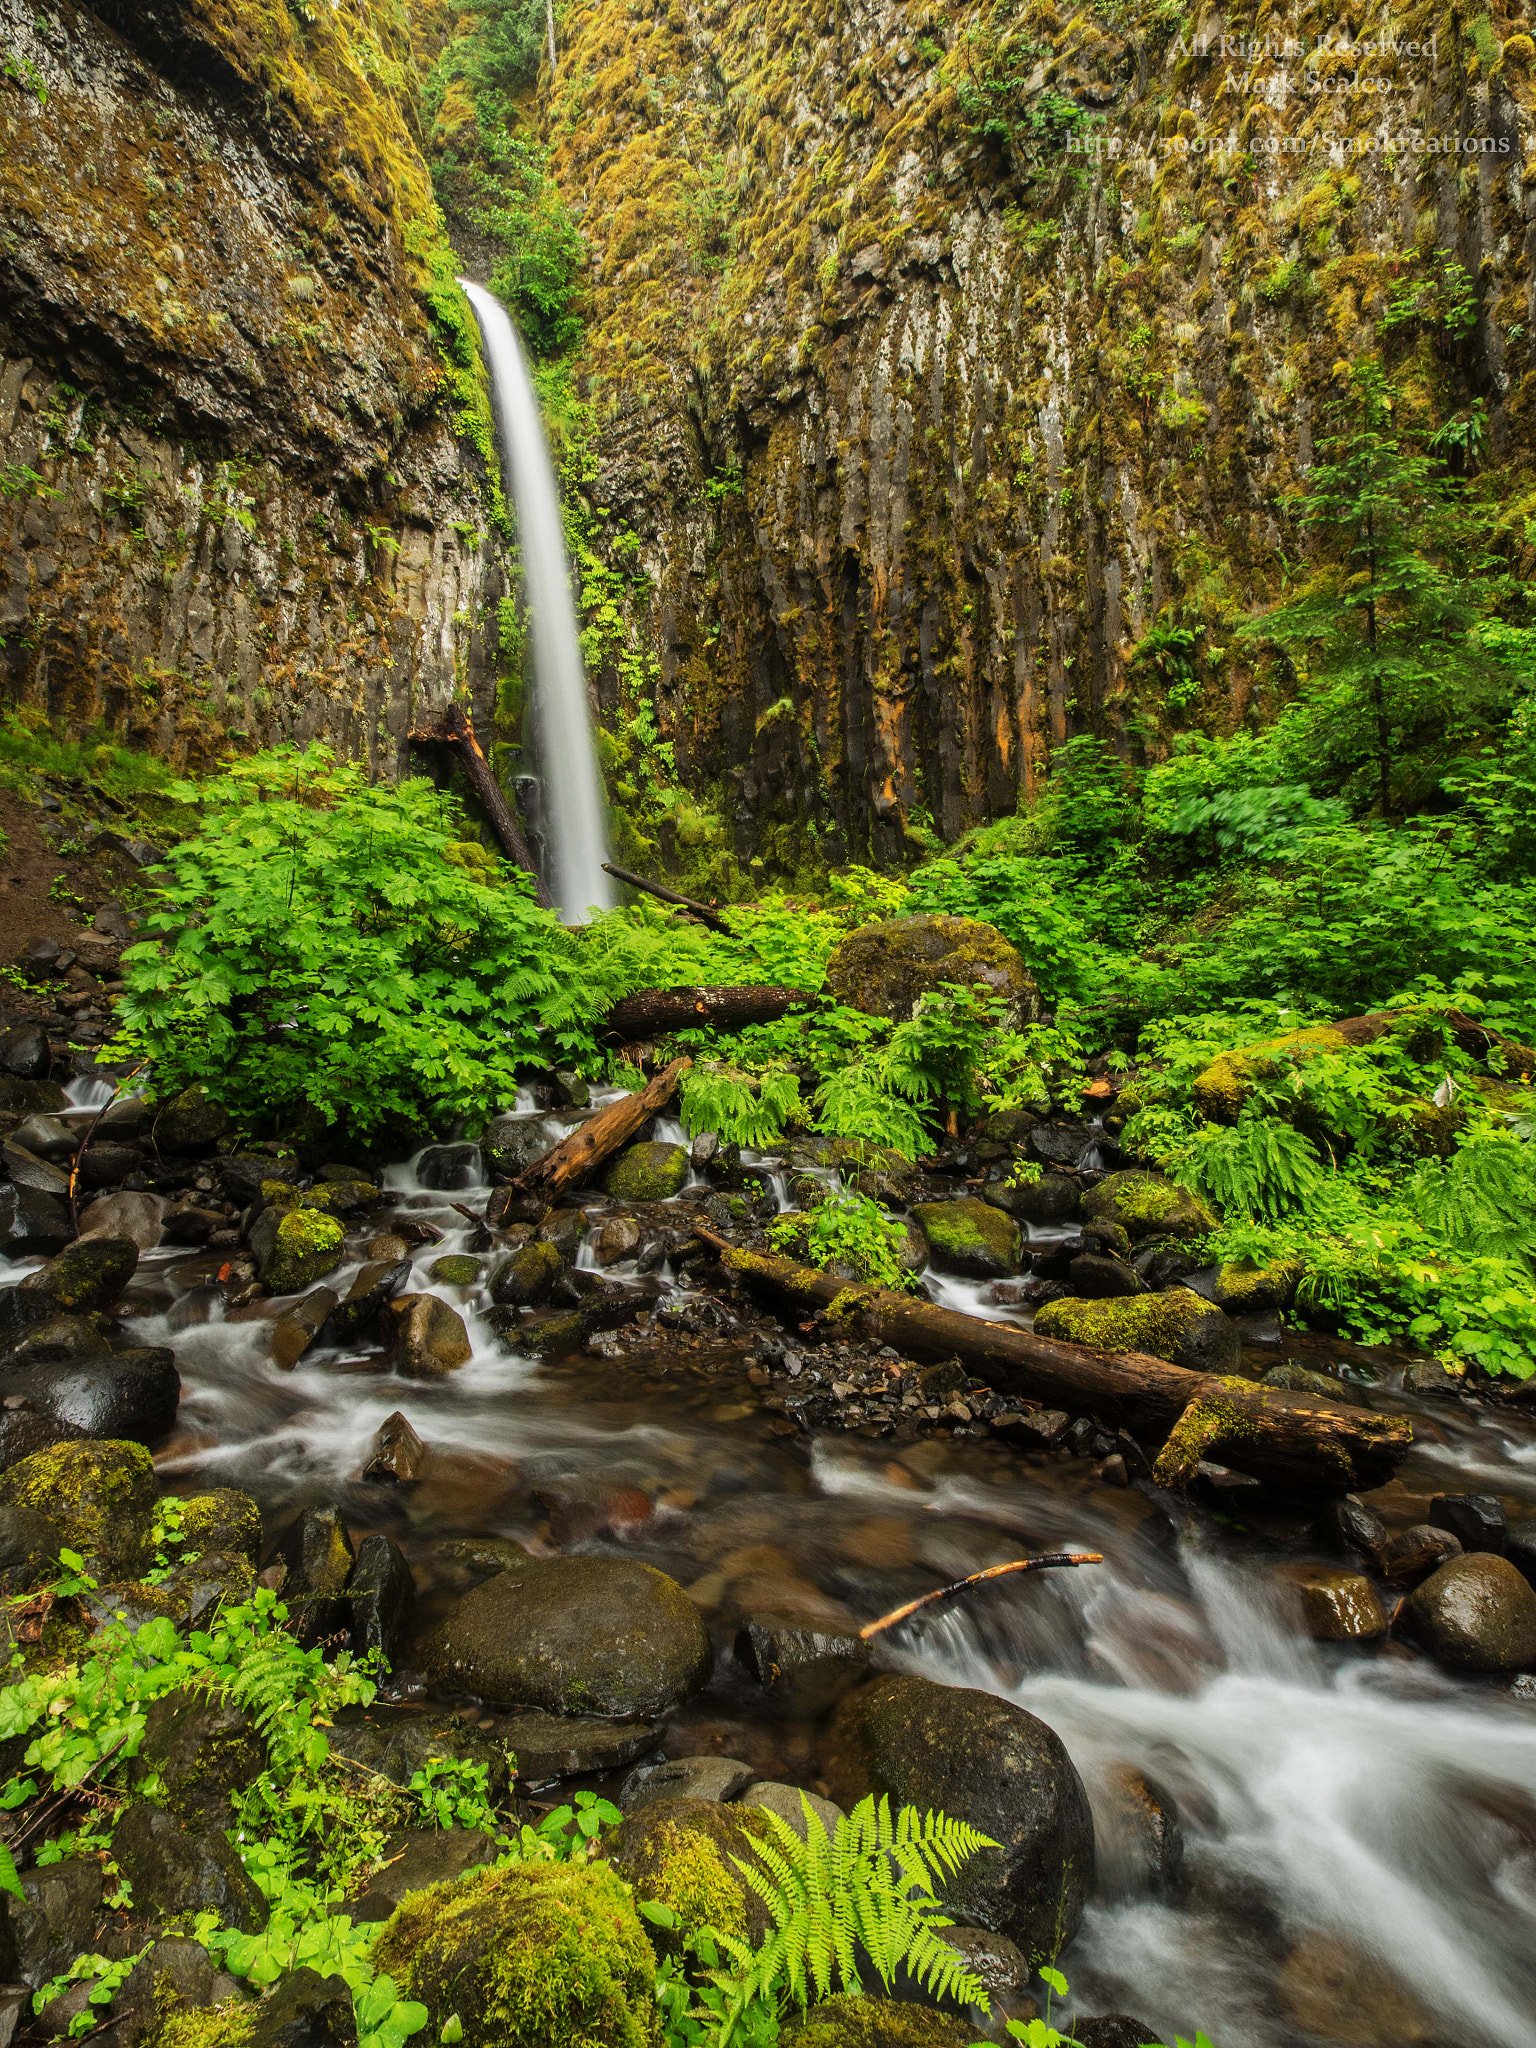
(679, 1852)
(1225, 1085)
(647, 1173)
(970, 1237)
(99, 1496)
(87, 1275)
(526, 1276)
(1246, 1288)
(1177, 1325)
(305, 1247)
(846, 2022)
(457, 1269)
(191, 1122)
(544, 1955)
(221, 1520)
(884, 969)
(1146, 1205)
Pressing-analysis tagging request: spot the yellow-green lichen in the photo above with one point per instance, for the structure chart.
(308, 1245)
(1157, 1325)
(680, 1851)
(1224, 1086)
(98, 1495)
(1146, 1205)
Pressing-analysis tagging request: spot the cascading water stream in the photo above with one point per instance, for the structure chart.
(576, 832)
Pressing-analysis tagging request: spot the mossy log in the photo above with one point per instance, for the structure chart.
(590, 1144)
(652, 1012)
(1291, 1440)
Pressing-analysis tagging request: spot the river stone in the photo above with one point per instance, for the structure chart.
(46, 1138)
(381, 1597)
(317, 1552)
(191, 1122)
(54, 1921)
(618, 1239)
(884, 969)
(1332, 1991)
(33, 1223)
(1336, 1606)
(26, 1052)
(1138, 1842)
(512, 1143)
(26, 1098)
(1146, 1205)
(1476, 1520)
(100, 1497)
(573, 1635)
(970, 1237)
(295, 1247)
(372, 1286)
(566, 1230)
(444, 1168)
(646, 1173)
(1114, 2030)
(681, 1852)
(108, 1166)
(204, 1753)
(789, 1803)
(131, 1395)
(242, 1174)
(1051, 1199)
(23, 1432)
(847, 2022)
(525, 1277)
(983, 1760)
(456, 1269)
(1412, 1554)
(1474, 1614)
(175, 1873)
(59, 1338)
(553, 1746)
(396, 1455)
(430, 1338)
(25, 1170)
(1098, 1276)
(221, 1519)
(684, 1777)
(89, 1274)
(397, 1742)
(1176, 1325)
(542, 1954)
(29, 1550)
(175, 1971)
(1300, 1379)
(803, 1671)
(416, 1858)
(138, 1217)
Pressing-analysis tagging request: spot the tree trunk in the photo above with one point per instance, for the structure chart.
(549, 23)
(650, 1012)
(701, 911)
(1295, 1441)
(576, 1156)
(456, 731)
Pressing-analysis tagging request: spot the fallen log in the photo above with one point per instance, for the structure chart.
(591, 1142)
(455, 730)
(701, 911)
(1295, 1441)
(651, 1012)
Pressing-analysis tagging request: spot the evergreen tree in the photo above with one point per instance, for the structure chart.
(1382, 633)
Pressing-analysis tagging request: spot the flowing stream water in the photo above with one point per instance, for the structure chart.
(575, 830)
(1360, 1828)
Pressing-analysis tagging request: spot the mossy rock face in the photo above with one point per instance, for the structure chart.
(970, 1237)
(884, 969)
(221, 1520)
(1177, 1325)
(679, 1852)
(99, 1496)
(1226, 1084)
(1146, 1205)
(545, 1955)
(573, 1635)
(876, 2023)
(304, 1246)
(1430, 1130)
(647, 1173)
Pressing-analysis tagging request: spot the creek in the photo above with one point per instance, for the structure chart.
(1359, 1827)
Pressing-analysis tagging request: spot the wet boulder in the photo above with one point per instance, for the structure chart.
(397, 1742)
(221, 1519)
(525, 1277)
(1412, 1554)
(444, 1168)
(1176, 1324)
(1099, 1276)
(203, 1754)
(1476, 1520)
(684, 1777)
(1475, 1613)
(430, 1338)
(1138, 1842)
(456, 1269)
(108, 1166)
(380, 1597)
(191, 1122)
(971, 1238)
(46, 1138)
(553, 1746)
(29, 1550)
(803, 1671)
(646, 1173)
(177, 1873)
(885, 969)
(129, 1395)
(547, 1952)
(619, 1238)
(1147, 1205)
(417, 1858)
(26, 1052)
(316, 1553)
(34, 1223)
(51, 1342)
(1336, 1606)
(295, 1247)
(372, 1286)
(100, 1497)
(566, 1230)
(396, 1455)
(30, 1098)
(986, 1761)
(511, 1144)
(90, 1274)
(681, 1852)
(789, 1802)
(138, 1217)
(573, 1635)
(1053, 1198)
(53, 1921)
(176, 1974)
(1244, 1287)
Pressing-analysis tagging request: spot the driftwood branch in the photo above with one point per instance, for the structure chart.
(455, 730)
(587, 1146)
(651, 1012)
(1292, 1440)
(993, 1571)
(701, 911)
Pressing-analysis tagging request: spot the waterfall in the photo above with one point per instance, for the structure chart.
(576, 835)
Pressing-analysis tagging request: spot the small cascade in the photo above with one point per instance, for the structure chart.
(577, 834)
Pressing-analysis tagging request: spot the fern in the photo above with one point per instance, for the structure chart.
(858, 1101)
(869, 1886)
(1482, 1200)
(744, 1109)
(1254, 1168)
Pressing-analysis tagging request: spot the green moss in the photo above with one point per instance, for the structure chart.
(1226, 1083)
(679, 1852)
(647, 1173)
(212, 2026)
(848, 2022)
(1146, 1205)
(309, 1245)
(99, 1496)
(1225, 1419)
(1247, 1287)
(1158, 1324)
(544, 1955)
(222, 1520)
(457, 1269)
(970, 1237)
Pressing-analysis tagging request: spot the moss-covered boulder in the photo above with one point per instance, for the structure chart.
(99, 1496)
(457, 1269)
(295, 1247)
(647, 1173)
(1246, 1288)
(87, 1275)
(524, 1278)
(970, 1237)
(876, 2023)
(679, 1851)
(191, 1122)
(1147, 1205)
(221, 1520)
(1225, 1085)
(1177, 1325)
(202, 1753)
(573, 1635)
(546, 1955)
(884, 969)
